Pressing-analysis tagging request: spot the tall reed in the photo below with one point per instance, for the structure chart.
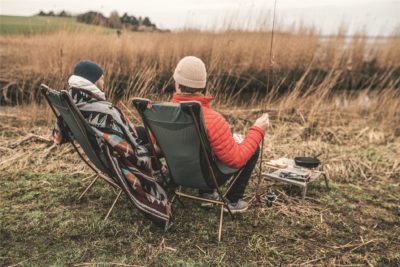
(307, 69)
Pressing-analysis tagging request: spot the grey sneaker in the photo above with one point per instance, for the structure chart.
(238, 207)
(213, 196)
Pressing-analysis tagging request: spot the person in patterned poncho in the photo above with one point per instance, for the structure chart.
(124, 144)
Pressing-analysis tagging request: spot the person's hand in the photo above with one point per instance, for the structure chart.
(263, 122)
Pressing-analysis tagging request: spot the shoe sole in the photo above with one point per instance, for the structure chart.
(236, 211)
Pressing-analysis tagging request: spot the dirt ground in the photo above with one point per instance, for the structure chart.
(355, 223)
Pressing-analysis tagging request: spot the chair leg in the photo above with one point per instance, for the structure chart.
(304, 191)
(112, 206)
(180, 201)
(225, 203)
(221, 218)
(88, 187)
(176, 197)
(172, 199)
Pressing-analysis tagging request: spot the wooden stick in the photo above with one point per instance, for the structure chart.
(31, 136)
(363, 244)
(13, 158)
(311, 261)
(106, 263)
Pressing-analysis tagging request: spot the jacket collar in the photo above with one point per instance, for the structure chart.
(204, 100)
(85, 85)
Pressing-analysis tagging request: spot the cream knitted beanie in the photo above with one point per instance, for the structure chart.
(191, 72)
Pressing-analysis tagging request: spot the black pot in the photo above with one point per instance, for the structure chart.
(307, 162)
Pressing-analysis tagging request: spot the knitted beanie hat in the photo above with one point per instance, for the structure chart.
(89, 70)
(191, 72)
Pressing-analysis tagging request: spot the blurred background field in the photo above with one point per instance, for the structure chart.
(338, 95)
(41, 24)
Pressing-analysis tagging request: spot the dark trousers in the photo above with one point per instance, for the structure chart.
(142, 135)
(237, 190)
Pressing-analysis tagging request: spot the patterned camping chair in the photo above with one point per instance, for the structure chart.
(180, 133)
(62, 105)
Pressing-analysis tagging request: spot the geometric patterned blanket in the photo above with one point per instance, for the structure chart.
(129, 159)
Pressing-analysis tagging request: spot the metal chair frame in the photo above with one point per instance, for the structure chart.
(45, 91)
(138, 103)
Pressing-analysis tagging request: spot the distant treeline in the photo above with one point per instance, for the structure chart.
(126, 21)
(115, 21)
(54, 14)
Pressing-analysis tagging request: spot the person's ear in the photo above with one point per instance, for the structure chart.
(177, 88)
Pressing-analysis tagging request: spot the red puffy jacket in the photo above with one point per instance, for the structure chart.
(219, 134)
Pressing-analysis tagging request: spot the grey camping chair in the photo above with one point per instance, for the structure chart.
(62, 105)
(180, 133)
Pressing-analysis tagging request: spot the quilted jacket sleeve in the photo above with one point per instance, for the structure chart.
(224, 146)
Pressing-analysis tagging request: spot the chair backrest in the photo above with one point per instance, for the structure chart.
(184, 144)
(80, 129)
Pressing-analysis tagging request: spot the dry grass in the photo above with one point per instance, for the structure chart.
(142, 63)
(355, 223)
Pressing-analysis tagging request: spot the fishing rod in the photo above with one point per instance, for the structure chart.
(263, 108)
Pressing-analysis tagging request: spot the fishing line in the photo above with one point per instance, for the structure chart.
(263, 108)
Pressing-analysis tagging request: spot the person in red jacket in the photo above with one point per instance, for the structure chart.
(190, 81)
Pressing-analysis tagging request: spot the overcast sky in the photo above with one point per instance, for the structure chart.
(377, 17)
